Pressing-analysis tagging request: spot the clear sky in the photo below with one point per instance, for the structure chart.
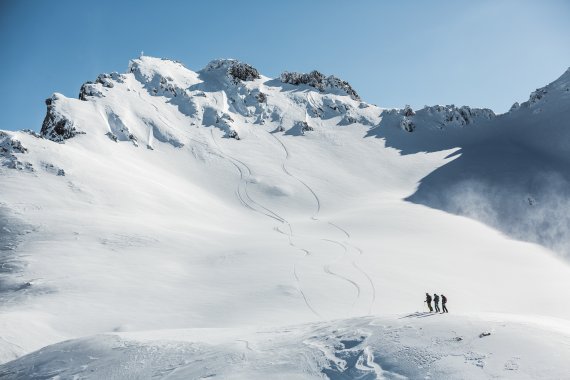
(486, 53)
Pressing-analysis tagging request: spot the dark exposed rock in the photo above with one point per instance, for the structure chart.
(134, 139)
(235, 70)
(89, 89)
(51, 168)
(112, 136)
(232, 134)
(107, 79)
(261, 97)
(56, 127)
(242, 71)
(10, 145)
(347, 120)
(305, 127)
(407, 125)
(435, 117)
(32, 133)
(93, 89)
(537, 95)
(10, 148)
(319, 81)
(408, 111)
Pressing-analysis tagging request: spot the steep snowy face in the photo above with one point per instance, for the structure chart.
(209, 97)
(513, 170)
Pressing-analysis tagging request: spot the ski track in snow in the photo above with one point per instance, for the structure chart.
(327, 269)
(314, 217)
(371, 282)
(240, 165)
(245, 173)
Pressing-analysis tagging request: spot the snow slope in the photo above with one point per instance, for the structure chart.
(413, 346)
(513, 170)
(165, 198)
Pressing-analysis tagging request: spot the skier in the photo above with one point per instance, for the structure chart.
(436, 303)
(428, 301)
(443, 302)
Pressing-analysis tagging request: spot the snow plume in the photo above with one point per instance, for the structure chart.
(538, 214)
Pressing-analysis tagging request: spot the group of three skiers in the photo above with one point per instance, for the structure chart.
(436, 303)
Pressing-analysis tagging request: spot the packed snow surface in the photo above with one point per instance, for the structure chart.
(413, 346)
(186, 214)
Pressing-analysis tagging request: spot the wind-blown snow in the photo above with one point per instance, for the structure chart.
(194, 200)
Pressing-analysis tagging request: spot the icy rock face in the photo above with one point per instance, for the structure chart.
(9, 149)
(56, 127)
(89, 89)
(437, 117)
(261, 97)
(320, 82)
(224, 122)
(235, 70)
(10, 145)
(96, 88)
(407, 125)
(559, 90)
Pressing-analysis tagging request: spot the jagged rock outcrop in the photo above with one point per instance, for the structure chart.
(407, 125)
(9, 149)
(56, 127)
(261, 97)
(408, 111)
(304, 127)
(89, 89)
(436, 117)
(95, 88)
(236, 71)
(10, 145)
(559, 89)
(319, 81)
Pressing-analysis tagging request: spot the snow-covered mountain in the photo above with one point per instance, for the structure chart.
(222, 200)
(513, 169)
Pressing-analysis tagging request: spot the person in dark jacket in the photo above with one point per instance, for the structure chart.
(443, 302)
(428, 301)
(436, 303)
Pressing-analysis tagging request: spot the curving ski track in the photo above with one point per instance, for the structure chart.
(244, 197)
(247, 201)
(327, 268)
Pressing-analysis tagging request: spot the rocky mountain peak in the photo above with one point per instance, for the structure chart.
(319, 81)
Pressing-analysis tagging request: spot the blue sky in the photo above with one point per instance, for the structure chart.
(478, 53)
